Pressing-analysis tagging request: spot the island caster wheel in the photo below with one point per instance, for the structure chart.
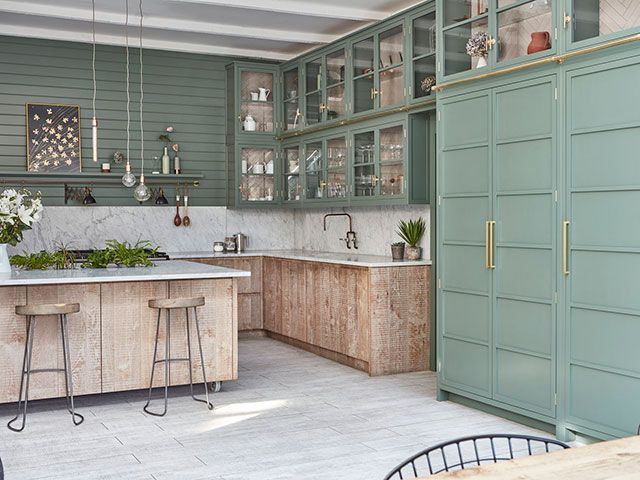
(216, 387)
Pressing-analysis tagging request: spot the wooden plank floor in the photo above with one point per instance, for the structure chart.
(290, 415)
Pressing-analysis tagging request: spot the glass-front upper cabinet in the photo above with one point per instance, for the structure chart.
(292, 180)
(257, 174)
(256, 101)
(314, 166)
(592, 21)
(481, 33)
(293, 118)
(378, 70)
(325, 87)
(423, 55)
(379, 163)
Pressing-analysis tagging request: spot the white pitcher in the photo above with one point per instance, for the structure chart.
(264, 94)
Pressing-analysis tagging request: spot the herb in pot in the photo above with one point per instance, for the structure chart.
(412, 233)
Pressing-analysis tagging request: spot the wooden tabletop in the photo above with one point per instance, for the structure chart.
(617, 459)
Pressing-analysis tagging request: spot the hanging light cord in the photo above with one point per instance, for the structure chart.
(126, 30)
(93, 59)
(141, 95)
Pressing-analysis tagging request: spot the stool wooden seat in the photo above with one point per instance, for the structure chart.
(32, 314)
(48, 309)
(168, 305)
(171, 303)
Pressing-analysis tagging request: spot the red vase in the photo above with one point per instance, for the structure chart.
(539, 41)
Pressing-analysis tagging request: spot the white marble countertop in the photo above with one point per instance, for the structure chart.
(174, 270)
(371, 261)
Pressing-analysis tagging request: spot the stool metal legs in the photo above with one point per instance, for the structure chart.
(23, 396)
(167, 361)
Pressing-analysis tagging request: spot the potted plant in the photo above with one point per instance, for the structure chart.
(477, 47)
(412, 232)
(397, 250)
(19, 210)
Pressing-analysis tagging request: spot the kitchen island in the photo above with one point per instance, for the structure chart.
(112, 338)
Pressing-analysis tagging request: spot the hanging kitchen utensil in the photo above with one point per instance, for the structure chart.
(186, 221)
(177, 221)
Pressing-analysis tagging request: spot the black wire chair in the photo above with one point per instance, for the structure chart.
(469, 452)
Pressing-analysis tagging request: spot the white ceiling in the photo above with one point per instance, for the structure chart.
(271, 29)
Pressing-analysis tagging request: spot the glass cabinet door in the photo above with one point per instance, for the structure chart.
(314, 167)
(424, 55)
(292, 186)
(335, 85)
(292, 114)
(313, 90)
(257, 179)
(256, 102)
(335, 185)
(465, 43)
(391, 71)
(524, 28)
(365, 180)
(363, 75)
(598, 18)
(392, 161)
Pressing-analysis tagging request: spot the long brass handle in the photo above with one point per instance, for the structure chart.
(487, 245)
(565, 247)
(492, 229)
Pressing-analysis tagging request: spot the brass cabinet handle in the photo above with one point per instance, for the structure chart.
(322, 107)
(491, 42)
(487, 246)
(565, 247)
(566, 20)
(492, 231)
(374, 179)
(374, 93)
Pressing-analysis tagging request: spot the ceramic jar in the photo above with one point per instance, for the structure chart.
(539, 41)
(249, 124)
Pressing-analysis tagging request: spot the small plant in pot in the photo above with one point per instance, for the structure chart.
(412, 232)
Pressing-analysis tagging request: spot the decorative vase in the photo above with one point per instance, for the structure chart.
(166, 162)
(397, 251)
(414, 253)
(5, 266)
(482, 62)
(539, 41)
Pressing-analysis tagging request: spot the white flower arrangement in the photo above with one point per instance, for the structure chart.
(19, 210)
(477, 44)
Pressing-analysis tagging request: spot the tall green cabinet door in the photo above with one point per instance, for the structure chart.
(464, 276)
(602, 365)
(524, 179)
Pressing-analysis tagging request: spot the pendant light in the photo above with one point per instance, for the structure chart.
(128, 179)
(94, 119)
(141, 192)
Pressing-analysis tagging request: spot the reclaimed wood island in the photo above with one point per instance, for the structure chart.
(112, 338)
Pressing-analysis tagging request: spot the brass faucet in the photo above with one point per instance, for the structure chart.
(351, 238)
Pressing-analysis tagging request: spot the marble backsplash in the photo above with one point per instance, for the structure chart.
(272, 229)
(89, 227)
(375, 227)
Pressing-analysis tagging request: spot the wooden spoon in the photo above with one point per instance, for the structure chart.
(177, 221)
(186, 221)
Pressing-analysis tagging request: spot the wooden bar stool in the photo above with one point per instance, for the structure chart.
(34, 312)
(169, 304)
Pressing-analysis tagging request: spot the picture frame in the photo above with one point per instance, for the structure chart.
(53, 136)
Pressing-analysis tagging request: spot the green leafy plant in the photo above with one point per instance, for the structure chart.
(44, 260)
(412, 231)
(121, 253)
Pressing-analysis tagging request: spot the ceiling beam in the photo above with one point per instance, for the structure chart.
(186, 26)
(298, 7)
(153, 44)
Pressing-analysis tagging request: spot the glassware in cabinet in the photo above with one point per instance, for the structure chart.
(257, 179)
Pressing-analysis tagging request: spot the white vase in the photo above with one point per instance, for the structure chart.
(482, 62)
(5, 266)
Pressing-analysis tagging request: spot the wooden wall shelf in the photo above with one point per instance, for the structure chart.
(27, 178)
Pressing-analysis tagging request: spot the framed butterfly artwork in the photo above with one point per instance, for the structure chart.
(53, 138)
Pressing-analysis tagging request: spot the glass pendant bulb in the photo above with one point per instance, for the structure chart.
(128, 179)
(142, 192)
